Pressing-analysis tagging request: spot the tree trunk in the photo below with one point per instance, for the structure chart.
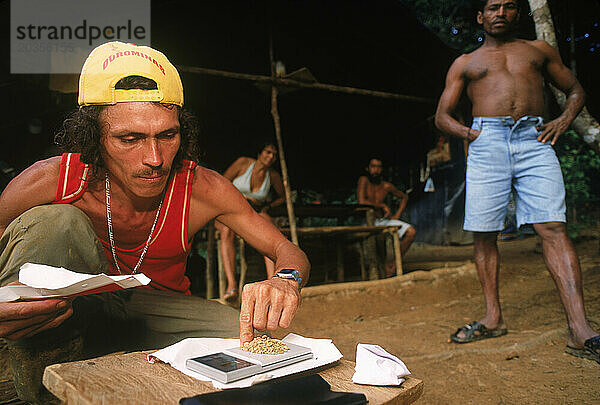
(585, 125)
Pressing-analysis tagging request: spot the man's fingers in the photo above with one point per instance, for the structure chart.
(287, 315)
(28, 309)
(274, 317)
(56, 321)
(32, 326)
(17, 329)
(474, 135)
(22, 319)
(246, 316)
(267, 305)
(261, 313)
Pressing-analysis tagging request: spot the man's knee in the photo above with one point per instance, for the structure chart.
(410, 233)
(56, 235)
(551, 230)
(485, 238)
(53, 220)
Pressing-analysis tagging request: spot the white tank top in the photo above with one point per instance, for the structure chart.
(243, 184)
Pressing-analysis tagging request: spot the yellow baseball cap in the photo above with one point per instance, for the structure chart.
(112, 61)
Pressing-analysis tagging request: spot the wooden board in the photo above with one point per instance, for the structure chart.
(130, 379)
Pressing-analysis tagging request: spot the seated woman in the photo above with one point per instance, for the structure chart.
(254, 179)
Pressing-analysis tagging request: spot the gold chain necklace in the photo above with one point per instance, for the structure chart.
(110, 230)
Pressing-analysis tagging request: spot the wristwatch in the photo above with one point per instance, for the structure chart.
(290, 274)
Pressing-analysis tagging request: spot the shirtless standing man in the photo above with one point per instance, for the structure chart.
(372, 190)
(510, 146)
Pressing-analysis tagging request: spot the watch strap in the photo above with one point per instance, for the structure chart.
(290, 274)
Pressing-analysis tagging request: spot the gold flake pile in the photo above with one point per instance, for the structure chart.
(265, 345)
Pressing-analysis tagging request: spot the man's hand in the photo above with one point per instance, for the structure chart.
(552, 130)
(252, 201)
(25, 319)
(268, 305)
(386, 211)
(473, 134)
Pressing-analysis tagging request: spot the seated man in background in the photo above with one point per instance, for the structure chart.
(127, 199)
(372, 190)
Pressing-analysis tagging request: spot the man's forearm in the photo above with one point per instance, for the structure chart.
(289, 256)
(401, 209)
(448, 124)
(574, 103)
(277, 202)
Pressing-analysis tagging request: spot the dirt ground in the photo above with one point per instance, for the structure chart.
(413, 315)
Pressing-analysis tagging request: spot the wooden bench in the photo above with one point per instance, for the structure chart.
(366, 235)
(367, 248)
(369, 262)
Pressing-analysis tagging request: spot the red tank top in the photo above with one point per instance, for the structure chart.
(166, 258)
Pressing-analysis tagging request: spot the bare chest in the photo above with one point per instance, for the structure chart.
(376, 193)
(516, 62)
(129, 229)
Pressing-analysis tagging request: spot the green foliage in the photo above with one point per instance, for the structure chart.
(580, 165)
(453, 21)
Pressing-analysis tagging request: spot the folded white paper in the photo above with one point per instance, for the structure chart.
(375, 366)
(42, 281)
(324, 352)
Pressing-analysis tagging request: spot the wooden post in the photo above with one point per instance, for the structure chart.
(243, 265)
(210, 261)
(397, 252)
(361, 255)
(221, 271)
(284, 171)
(370, 247)
(339, 248)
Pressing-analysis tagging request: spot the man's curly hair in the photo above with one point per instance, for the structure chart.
(81, 131)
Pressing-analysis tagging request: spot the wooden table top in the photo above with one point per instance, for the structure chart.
(130, 379)
(322, 210)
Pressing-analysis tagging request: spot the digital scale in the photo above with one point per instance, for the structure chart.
(235, 364)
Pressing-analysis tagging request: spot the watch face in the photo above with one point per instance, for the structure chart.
(290, 274)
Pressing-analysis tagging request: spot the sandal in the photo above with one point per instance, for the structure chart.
(590, 349)
(475, 331)
(231, 295)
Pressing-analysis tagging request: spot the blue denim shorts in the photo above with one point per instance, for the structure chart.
(504, 156)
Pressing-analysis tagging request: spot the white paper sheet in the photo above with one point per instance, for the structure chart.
(324, 352)
(375, 366)
(42, 281)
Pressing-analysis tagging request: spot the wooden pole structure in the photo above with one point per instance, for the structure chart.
(210, 261)
(243, 265)
(284, 172)
(281, 82)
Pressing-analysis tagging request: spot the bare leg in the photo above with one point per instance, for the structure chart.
(227, 254)
(487, 262)
(269, 264)
(563, 265)
(407, 239)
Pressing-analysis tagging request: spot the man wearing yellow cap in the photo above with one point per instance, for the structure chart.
(128, 198)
